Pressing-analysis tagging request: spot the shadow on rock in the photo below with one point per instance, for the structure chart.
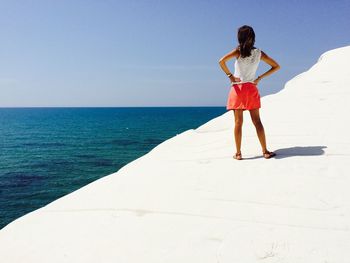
(299, 151)
(293, 151)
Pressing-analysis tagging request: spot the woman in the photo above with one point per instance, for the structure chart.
(244, 94)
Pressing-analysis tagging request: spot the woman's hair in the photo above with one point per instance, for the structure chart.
(246, 40)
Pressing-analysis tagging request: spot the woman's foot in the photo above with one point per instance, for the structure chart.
(268, 154)
(238, 156)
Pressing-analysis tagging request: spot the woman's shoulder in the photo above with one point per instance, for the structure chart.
(258, 51)
(261, 53)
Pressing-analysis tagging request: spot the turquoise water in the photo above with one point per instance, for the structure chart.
(46, 153)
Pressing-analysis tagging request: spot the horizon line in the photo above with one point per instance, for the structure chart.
(30, 107)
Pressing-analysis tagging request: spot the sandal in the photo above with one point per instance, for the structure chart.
(238, 156)
(268, 154)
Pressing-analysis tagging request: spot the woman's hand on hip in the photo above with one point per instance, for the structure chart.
(234, 79)
(256, 81)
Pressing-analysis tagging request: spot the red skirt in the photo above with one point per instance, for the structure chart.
(243, 96)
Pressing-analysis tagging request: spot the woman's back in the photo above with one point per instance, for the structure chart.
(245, 68)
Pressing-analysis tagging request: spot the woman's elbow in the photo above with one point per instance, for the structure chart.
(222, 60)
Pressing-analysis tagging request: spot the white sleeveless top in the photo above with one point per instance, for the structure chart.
(245, 68)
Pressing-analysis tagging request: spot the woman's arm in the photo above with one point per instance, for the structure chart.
(222, 62)
(274, 66)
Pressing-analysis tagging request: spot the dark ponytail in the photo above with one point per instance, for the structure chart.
(246, 40)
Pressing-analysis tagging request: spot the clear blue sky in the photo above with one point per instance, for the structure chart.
(153, 53)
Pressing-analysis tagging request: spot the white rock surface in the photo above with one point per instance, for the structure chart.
(188, 200)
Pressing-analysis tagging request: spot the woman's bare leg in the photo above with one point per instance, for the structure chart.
(238, 128)
(254, 114)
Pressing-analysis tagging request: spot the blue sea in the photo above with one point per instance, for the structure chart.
(46, 153)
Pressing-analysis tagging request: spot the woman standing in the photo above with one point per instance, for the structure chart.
(244, 94)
